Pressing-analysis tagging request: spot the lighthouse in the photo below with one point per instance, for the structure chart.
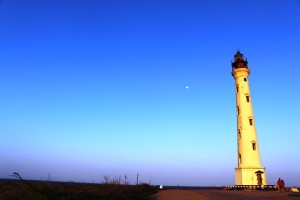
(249, 170)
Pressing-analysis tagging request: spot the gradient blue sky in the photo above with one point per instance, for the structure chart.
(91, 88)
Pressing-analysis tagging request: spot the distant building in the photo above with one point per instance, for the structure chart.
(249, 170)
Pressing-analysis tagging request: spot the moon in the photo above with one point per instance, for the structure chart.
(187, 87)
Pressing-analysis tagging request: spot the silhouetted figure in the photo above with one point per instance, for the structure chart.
(282, 185)
(279, 185)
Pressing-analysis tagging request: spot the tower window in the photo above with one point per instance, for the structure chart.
(251, 122)
(248, 98)
(240, 158)
(253, 146)
(237, 88)
(239, 134)
(245, 79)
(238, 110)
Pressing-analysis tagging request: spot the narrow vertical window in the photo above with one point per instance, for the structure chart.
(253, 146)
(238, 110)
(251, 122)
(237, 89)
(248, 98)
(245, 79)
(240, 158)
(239, 134)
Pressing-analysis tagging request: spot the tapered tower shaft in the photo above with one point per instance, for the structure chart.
(249, 170)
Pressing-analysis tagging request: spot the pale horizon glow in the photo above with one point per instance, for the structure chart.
(96, 88)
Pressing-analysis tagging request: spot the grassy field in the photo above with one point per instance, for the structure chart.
(48, 190)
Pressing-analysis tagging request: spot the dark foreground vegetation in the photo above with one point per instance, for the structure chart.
(112, 189)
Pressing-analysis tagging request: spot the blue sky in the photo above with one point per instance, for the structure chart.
(92, 88)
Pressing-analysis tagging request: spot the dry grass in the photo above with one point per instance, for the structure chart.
(111, 189)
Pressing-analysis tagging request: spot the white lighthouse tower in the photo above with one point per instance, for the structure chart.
(249, 170)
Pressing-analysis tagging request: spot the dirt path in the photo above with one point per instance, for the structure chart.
(177, 194)
(181, 194)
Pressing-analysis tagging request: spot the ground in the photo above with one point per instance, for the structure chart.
(213, 194)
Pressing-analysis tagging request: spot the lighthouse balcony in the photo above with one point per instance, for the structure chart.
(239, 64)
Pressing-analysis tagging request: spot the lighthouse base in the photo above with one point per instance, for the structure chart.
(249, 176)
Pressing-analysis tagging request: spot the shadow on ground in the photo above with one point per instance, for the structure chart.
(294, 195)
